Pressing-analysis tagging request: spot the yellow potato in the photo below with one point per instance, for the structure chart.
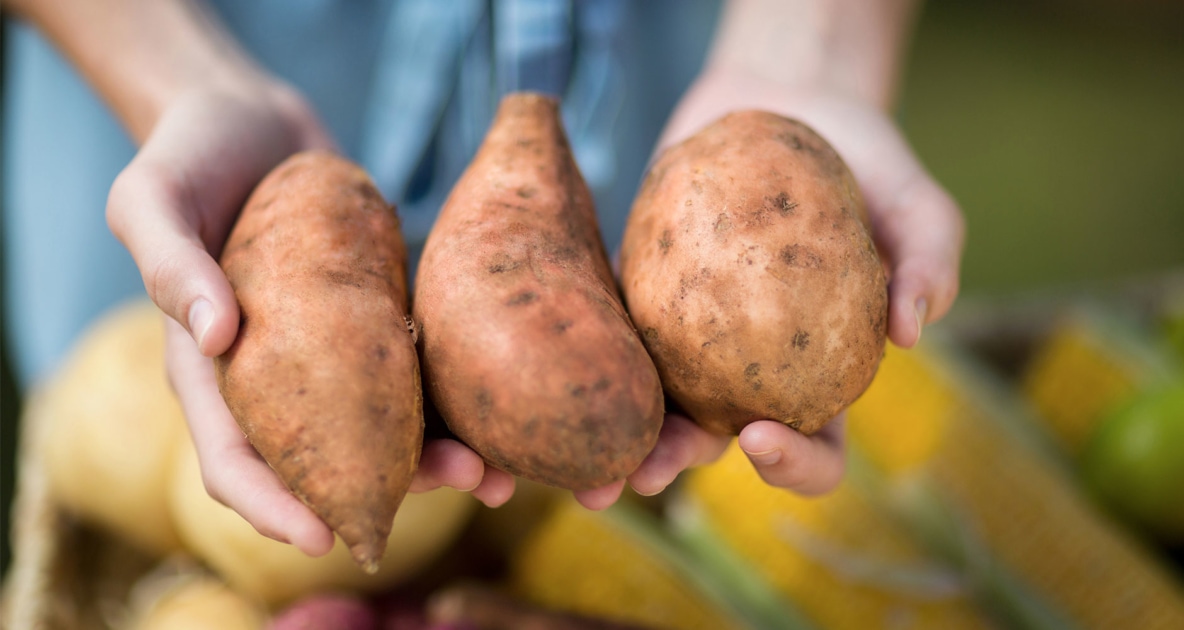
(109, 425)
(277, 573)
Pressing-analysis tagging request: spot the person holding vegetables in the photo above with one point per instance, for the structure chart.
(214, 95)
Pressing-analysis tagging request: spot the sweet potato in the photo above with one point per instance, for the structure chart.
(323, 377)
(327, 611)
(748, 265)
(487, 608)
(526, 348)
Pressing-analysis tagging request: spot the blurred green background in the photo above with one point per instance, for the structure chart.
(1055, 123)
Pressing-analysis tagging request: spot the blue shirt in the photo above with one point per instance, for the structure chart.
(407, 87)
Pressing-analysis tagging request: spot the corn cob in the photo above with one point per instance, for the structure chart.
(909, 441)
(842, 560)
(617, 565)
(1089, 364)
(993, 502)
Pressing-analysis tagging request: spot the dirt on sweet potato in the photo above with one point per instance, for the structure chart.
(526, 347)
(749, 268)
(323, 377)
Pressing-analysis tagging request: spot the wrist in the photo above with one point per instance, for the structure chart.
(143, 55)
(198, 58)
(850, 47)
(141, 108)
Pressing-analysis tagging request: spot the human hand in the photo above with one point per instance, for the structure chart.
(173, 207)
(917, 228)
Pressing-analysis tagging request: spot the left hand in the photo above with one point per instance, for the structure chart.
(917, 227)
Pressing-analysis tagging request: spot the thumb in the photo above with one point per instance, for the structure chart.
(151, 213)
(922, 232)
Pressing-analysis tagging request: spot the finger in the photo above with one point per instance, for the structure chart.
(921, 232)
(600, 498)
(233, 472)
(145, 210)
(496, 488)
(447, 462)
(681, 445)
(917, 227)
(784, 458)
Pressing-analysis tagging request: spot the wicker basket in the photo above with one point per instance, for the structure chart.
(65, 574)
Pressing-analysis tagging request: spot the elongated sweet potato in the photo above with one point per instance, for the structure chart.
(526, 348)
(748, 265)
(323, 377)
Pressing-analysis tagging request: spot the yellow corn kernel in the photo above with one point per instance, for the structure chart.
(843, 562)
(581, 561)
(908, 440)
(1032, 521)
(1013, 516)
(1086, 367)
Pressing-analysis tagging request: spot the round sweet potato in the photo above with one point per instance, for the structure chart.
(323, 377)
(749, 268)
(526, 348)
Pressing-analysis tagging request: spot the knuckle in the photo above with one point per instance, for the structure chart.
(827, 475)
(161, 275)
(830, 478)
(948, 292)
(808, 470)
(171, 369)
(712, 449)
(793, 475)
(213, 485)
(959, 221)
(119, 201)
(140, 184)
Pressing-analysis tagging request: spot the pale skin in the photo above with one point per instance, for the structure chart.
(210, 124)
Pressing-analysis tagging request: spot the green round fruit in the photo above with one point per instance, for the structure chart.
(1174, 329)
(1134, 464)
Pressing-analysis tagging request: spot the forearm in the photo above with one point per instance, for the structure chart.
(851, 46)
(139, 55)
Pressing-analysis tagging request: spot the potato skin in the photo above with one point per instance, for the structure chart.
(526, 348)
(749, 268)
(323, 377)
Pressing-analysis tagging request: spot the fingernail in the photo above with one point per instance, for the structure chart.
(201, 317)
(922, 309)
(765, 458)
(649, 493)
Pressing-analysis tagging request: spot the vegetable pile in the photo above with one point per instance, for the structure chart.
(971, 500)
